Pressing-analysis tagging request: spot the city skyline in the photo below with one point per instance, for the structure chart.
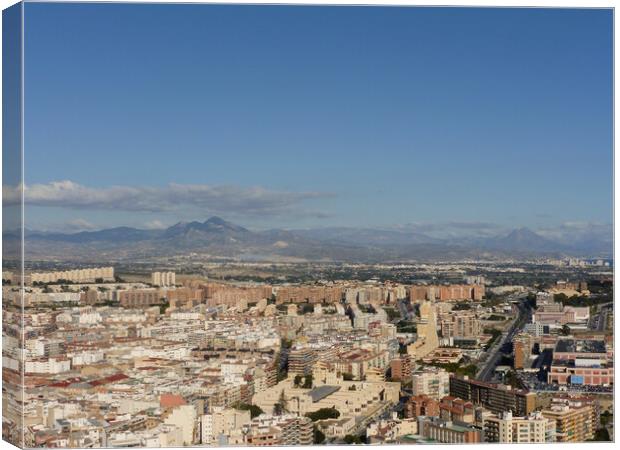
(274, 117)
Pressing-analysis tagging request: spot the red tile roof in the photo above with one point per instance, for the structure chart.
(171, 400)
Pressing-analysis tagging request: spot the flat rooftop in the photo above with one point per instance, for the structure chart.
(580, 346)
(594, 365)
(319, 393)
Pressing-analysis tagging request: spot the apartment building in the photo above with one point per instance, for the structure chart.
(308, 294)
(220, 423)
(456, 409)
(446, 292)
(577, 401)
(497, 398)
(461, 324)
(507, 428)
(447, 432)
(301, 360)
(288, 429)
(431, 381)
(572, 423)
(236, 296)
(75, 276)
(401, 368)
(140, 298)
(421, 405)
(163, 279)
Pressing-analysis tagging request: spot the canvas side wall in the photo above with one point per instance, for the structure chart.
(13, 400)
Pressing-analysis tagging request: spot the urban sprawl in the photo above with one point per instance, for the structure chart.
(98, 357)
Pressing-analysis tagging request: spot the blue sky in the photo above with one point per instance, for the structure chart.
(277, 116)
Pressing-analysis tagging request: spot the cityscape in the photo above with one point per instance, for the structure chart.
(118, 359)
(245, 225)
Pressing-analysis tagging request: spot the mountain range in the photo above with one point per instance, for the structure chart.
(217, 237)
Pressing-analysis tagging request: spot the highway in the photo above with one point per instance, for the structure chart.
(495, 352)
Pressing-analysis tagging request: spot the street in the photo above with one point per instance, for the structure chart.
(495, 352)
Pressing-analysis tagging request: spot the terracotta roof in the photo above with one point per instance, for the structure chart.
(171, 400)
(111, 379)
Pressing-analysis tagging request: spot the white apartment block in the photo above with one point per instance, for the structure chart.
(75, 276)
(434, 382)
(221, 422)
(48, 366)
(163, 279)
(508, 429)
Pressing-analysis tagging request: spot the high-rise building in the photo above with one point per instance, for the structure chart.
(428, 340)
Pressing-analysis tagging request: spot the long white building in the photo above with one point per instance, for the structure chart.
(75, 276)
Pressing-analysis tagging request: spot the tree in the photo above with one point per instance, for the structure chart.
(324, 413)
(606, 418)
(513, 380)
(297, 380)
(318, 435)
(255, 410)
(308, 382)
(286, 343)
(461, 306)
(351, 439)
(531, 300)
(281, 406)
(347, 376)
(565, 330)
(601, 435)
(163, 307)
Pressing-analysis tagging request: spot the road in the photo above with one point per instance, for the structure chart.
(495, 352)
(598, 321)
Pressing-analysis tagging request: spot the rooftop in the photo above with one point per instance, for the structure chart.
(580, 346)
(319, 393)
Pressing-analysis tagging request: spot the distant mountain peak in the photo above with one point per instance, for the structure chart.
(523, 232)
(525, 240)
(218, 222)
(212, 226)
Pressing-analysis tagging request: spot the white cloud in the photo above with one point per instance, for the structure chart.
(154, 225)
(570, 232)
(80, 225)
(248, 201)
